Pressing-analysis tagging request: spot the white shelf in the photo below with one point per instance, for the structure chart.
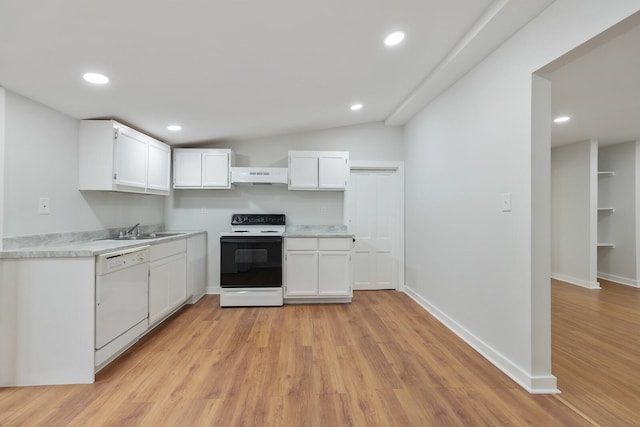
(606, 173)
(606, 209)
(606, 245)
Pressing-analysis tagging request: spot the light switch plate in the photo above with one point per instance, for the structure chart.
(43, 206)
(506, 202)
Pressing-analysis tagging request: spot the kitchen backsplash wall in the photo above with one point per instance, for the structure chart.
(41, 160)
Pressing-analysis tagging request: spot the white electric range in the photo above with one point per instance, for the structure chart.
(251, 261)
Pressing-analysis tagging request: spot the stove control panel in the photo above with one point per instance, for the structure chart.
(258, 219)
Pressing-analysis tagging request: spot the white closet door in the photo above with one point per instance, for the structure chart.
(373, 217)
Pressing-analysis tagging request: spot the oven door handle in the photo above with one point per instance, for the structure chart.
(250, 239)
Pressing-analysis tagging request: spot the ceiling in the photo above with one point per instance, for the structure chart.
(598, 86)
(231, 69)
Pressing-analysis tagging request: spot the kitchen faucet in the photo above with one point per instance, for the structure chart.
(133, 231)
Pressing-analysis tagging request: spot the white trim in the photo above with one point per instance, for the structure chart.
(213, 290)
(575, 281)
(619, 279)
(398, 168)
(534, 384)
(375, 165)
(2, 150)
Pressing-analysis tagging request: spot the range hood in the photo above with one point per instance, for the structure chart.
(259, 175)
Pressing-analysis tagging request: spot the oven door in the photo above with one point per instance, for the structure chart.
(250, 262)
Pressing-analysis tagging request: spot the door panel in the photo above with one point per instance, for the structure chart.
(303, 171)
(334, 275)
(159, 167)
(373, 211)
(215, 169)
(332, 172)
(361, 269)
(187, 168)
(131, 159)
(302, 273)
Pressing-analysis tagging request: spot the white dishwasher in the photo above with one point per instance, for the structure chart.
(122, 301)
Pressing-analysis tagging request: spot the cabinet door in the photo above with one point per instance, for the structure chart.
(196, 266)
(131, 159)
(167, 285)
(177, 291)
(187, 168)
(333, 171)
(303, 171)
(334, 275)
(158, 289)
(302, 273)
(159, 169)
(215, 165)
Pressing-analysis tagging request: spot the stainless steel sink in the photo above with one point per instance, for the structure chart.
(140, 237)
(159, 234)
(146, 236)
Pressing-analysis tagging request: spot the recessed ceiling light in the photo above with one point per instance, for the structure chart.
(562, 119)
(174, 128)
(356, 107)
(394, 38)
(96, 78)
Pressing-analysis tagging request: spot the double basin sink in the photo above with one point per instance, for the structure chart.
(146, 236)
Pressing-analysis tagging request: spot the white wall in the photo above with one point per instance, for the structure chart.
(41, 160)
(467, 261)
(573, 213)
(2, 145)
(371, 141)
(211, 209)
(618, 227)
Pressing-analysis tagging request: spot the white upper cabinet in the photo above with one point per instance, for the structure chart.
(159, 173)
(318, 170)
(187, 168)
(114, 157)
(303, 170)
(201, 168)
(333, 170)
(215, 168)
(131, 158)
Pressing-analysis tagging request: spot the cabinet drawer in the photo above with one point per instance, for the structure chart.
(301, 243)
(335, 243)
(164, 250)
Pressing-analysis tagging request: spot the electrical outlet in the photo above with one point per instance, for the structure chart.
(203, 210)
(323, 210)
(43, 206)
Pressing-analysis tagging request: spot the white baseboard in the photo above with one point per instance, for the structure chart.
(533, 384)
(619, 279)
(212, 290)
(575, 281)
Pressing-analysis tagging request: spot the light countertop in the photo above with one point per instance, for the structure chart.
(317, 231)
(58, 248)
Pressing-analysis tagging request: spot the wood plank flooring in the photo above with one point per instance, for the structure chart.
(381, 361)
(596, 350)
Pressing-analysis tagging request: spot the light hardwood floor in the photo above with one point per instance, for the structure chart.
(596, 350)
(379, 361)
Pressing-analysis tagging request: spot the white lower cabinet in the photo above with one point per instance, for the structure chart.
(334, 276)
(196, 267)
(317, 269)
(167, 279)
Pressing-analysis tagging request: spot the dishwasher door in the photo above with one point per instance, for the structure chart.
(122, 299)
